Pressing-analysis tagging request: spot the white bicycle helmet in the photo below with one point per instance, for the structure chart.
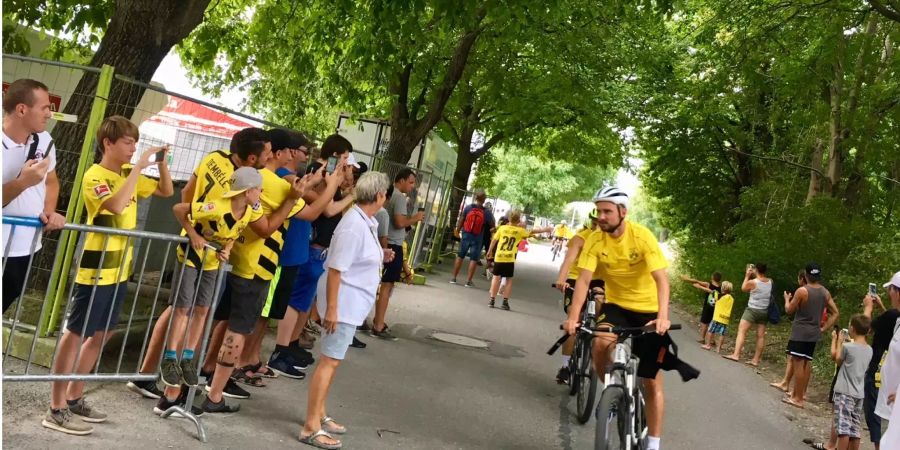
(611, 194)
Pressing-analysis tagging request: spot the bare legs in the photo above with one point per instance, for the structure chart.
(318, 393)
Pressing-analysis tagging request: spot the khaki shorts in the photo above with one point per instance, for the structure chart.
(756, 316)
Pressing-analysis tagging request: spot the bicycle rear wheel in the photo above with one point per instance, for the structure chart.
(612, 420)
(574, 361)
(587, 382)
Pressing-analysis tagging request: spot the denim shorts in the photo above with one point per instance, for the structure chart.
(470, 246)
(718, 328)
(335, 345)
(104, 304)
(307, 280)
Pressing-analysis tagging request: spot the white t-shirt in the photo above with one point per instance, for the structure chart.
(890, 376)
(357, 254)
(30, 203)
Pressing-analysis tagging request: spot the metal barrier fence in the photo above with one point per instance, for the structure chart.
(143, 291)
(191, 127)
(430, 195)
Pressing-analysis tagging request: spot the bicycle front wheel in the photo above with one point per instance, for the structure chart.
(587, 382)
(612, 420)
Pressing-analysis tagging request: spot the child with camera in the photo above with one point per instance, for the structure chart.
(853, 358)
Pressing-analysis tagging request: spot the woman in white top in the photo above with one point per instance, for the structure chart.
(760, 288)
(346, 294)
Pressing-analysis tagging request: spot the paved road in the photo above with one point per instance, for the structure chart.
(436, 395)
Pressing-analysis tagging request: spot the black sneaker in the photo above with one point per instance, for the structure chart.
(170, 372)
(148, 389)
(562, 377)
(505, 305)
(357, 343)
(188, 372)
(221, 407)
(164, 404)
(283, 364)
(453, 281)
(301, 358)
(385, 334)
(232, 390)
(491, 303)
(470, 284)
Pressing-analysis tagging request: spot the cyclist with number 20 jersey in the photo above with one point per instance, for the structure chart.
(627, 257)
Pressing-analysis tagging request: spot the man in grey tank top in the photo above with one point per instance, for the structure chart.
(760, 288)
(807, 305)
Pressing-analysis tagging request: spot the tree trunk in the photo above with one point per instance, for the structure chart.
(465, 159)
(139, 36)
(815, 183)
(836, 131)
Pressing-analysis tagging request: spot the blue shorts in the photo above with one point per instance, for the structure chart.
(335, 345)
(718, 328)
(104, 310)
(470, 246)
(307, 280)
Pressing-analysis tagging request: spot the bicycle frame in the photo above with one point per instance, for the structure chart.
(624, 374)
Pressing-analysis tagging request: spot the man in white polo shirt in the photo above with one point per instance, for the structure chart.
(30, 185)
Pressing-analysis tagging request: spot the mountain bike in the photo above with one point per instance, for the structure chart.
(583, 378)
(557, 248)
(621, 417)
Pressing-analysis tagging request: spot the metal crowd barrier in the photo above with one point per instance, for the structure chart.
(144, 293)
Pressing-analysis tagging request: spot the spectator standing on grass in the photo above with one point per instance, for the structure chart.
(760, 288)
(718, 326)
(877, 390)
(853, 357)
(346, 294)
(110, 190)
(473, 223)
(30, 184)
(807, 305)
(711, 291)
(398, 210)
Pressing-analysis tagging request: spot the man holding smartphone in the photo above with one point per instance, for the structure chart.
(398, 211)
(883, 333)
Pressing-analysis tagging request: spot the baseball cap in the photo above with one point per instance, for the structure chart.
(351, 161)
(244, 178)
(895, 281)
(813, 271)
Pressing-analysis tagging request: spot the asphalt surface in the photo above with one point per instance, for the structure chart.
(421, 393)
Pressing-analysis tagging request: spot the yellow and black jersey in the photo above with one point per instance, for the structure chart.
(114, 264)
(508, 237)
(213, 176)
(215, 221)
(253, 256)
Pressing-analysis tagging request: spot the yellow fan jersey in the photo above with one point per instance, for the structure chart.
(113, 265)
(213, 176)
(508, 237)
(215, 221)
(253, 256)
(584, 234)
(625, 264)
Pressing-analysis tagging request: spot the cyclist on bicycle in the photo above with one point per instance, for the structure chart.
(568, 272)
(628, 258)
(561, 233)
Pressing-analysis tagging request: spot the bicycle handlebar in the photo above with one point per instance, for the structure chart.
(620, 330)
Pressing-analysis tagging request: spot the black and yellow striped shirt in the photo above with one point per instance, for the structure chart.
(114, 264)
(215, 221)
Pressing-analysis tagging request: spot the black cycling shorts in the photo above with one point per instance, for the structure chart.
(567, 297)
(647, 347)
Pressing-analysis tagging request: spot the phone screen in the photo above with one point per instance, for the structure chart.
(332, 163)
(160, 155)
(873, 289)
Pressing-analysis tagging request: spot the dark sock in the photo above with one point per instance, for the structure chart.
(55, 411)
(506, 300)
(282, 348)
(73, 402)
(295, 343)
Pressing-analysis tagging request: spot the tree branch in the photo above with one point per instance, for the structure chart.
(420, 99)
(781, 160)
(400, 88)
(454, 73)
(885, 11)
(452, 128)
(494, 140)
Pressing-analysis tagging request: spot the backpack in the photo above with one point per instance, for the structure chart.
(773, 312)
(474, 220)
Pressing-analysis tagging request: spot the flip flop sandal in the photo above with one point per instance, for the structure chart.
(241, 376)
(329, 425)
(789, 401)
(260, 370)
(315, 441)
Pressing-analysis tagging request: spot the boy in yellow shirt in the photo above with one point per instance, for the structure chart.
(217, 222)
(721, 317)
(503, 250)
(110, 190)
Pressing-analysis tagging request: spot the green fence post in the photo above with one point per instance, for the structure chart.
(63, 262)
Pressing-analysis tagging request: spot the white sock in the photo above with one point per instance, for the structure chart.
(652, 443)
(565, 361)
